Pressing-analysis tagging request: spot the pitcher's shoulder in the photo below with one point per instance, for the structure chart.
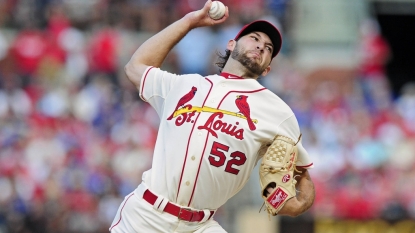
(270, 99)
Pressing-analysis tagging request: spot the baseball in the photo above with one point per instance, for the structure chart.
(217, 10)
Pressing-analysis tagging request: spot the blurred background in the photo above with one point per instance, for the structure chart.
(75, 137)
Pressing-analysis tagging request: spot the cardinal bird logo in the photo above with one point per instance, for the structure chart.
(243, 106)
(186, 98)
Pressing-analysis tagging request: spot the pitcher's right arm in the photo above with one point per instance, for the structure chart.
(153, 51)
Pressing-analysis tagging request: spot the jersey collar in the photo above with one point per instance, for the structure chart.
(230, 76)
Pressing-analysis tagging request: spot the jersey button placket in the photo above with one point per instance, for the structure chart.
(190, 171)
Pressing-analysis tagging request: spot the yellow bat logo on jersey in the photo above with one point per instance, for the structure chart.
(214, 123)
(190, 108)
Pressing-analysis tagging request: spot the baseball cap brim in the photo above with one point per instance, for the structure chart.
(267, 28)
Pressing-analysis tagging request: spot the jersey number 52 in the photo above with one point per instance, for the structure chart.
(217, 158)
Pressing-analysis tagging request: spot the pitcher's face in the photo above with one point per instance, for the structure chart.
(254, 51)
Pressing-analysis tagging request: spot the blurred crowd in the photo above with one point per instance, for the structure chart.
(75, 137)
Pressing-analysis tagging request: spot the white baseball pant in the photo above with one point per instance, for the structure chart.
(137, 215)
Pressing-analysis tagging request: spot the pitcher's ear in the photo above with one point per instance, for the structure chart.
(231, 45)
(266, 71)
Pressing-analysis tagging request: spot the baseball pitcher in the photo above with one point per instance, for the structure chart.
(214, 130)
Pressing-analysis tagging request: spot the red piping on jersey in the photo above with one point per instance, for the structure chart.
(121, 211)
(239, 92)
(144, 81)
(230, 76)
(188, 142)
(198, 169)
(311, 164)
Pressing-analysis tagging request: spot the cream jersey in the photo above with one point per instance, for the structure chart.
(212, 133)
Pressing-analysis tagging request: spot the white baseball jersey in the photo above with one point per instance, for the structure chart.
(210, 135)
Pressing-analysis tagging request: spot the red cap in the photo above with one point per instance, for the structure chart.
(267, 28)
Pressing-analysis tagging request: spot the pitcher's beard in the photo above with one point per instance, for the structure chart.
(250, 64)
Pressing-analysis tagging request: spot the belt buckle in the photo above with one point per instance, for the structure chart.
(181, 217)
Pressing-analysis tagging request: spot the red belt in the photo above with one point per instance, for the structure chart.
(185, 214)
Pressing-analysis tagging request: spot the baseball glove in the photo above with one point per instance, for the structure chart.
(277, 171)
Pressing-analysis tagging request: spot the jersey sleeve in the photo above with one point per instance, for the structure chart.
(290, 128)
(155, 85)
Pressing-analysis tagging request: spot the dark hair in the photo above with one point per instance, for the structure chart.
(222, 59)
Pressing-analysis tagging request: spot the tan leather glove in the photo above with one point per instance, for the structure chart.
(277, 171)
